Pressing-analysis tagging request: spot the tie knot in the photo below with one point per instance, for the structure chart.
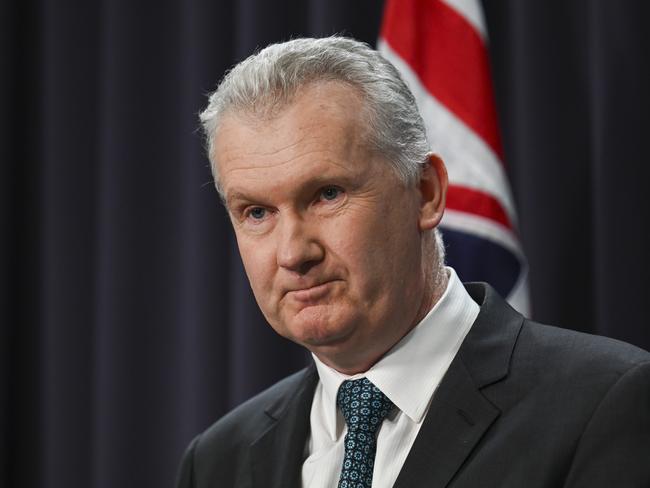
(363, 405)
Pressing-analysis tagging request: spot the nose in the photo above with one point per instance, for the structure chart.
(299, 247)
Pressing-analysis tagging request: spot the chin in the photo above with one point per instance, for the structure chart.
(315, 329)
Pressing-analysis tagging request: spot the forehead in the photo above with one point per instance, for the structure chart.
(321, 131)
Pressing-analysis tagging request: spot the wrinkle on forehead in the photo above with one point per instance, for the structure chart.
(292, 159)
(295, 134)
(260, 163)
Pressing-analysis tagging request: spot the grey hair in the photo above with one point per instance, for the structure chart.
(265, 82)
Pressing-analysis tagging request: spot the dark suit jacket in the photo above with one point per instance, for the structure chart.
(522, 405)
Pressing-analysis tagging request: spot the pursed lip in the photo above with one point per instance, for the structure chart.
(311, 293)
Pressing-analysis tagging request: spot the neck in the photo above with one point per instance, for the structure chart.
(435, 286)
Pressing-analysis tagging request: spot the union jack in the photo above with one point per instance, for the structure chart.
(440, 48)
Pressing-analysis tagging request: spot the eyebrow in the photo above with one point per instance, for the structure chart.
(317, 181)
(234, 197)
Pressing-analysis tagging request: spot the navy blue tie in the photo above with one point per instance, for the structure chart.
(364, 408)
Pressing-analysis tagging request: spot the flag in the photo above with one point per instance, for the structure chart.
(440, 48)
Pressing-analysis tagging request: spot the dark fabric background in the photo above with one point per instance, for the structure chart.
(127, 325)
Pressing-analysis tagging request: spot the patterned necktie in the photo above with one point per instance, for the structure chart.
(364, 408)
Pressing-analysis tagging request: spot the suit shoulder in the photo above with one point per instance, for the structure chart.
(245, 423)
(578, 353)
(560, 377)
(221, 454)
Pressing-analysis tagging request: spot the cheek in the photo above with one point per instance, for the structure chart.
(386, 249)
(365, 248)
(258, 263)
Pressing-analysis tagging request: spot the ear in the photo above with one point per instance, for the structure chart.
(433, 190)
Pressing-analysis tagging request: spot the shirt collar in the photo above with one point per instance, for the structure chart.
(411, 371)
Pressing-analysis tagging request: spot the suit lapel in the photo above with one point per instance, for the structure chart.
(459, 414)
(277, 455)
(457, 419)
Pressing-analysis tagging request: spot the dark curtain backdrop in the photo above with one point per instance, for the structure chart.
(127, 322)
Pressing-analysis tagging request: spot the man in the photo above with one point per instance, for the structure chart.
(321, 158)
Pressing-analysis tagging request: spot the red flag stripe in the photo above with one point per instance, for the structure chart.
(476, 202)
(450, 59)
(470, 161)
(472, 12)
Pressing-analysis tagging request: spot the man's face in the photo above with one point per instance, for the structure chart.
(330, 238)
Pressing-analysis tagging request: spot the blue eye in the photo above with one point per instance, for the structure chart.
(330, 193)
(257, 213)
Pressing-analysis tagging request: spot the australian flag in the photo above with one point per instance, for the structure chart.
(440, 47)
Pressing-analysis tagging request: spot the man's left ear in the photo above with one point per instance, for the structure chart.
(433, 190)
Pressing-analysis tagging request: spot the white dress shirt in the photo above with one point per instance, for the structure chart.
(408, 374)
